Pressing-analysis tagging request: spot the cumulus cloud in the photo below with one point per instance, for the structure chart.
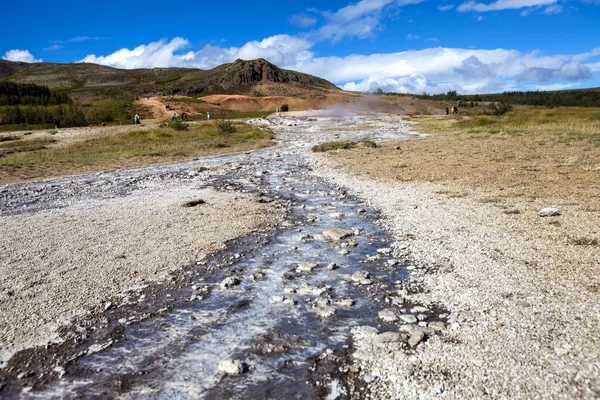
(282, 50)
(20, 55)
(432, 70)
(567, 72)
(502, 5)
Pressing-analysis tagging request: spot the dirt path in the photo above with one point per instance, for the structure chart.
(157, 107)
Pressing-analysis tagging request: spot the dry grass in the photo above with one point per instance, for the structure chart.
(26, 160)
(533, 153)
(519, 163)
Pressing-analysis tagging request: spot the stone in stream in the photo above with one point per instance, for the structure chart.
(305, 266)
(337, 234)
(418, 309)
(230, 281)
(360, 275)
(326, 312)
(332, 267)
(409, 319)
(416, 337)
(277, 299)
(388, 315)
(336, 215)
(345, 302)
(231, 367)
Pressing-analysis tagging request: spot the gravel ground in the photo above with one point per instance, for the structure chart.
(521, 325)
(58, 263)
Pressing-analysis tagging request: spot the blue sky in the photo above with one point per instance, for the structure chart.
(399, 45)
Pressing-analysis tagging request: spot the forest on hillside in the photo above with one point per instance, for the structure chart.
(30, 94)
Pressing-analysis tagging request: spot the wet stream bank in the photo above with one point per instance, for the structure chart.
(271, 304)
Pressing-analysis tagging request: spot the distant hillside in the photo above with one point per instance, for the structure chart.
(258, 77)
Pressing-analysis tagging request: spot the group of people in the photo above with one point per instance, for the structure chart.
(453, 110)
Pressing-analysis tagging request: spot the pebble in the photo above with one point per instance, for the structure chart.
(388, 315)
(416, 337)
(409, 319)
(326, 312)
(230, 281)
(437, 326)
(337, 234)
(304, 266)
(548, 212)
(360, 275)
(231, 367)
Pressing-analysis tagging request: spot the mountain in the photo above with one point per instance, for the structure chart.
(240, 77)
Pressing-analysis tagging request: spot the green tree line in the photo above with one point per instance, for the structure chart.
(567, 98)
(68, 115)
(13, 94)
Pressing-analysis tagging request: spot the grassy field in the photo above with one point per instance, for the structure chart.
(27, 158)
(527, 153)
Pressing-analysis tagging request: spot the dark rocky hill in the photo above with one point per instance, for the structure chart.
(239, 77)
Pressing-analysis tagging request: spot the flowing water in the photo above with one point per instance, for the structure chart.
(278, 316)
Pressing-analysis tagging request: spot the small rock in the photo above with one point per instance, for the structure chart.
(391, 337)
(409, 319)
(360, 275)
(231, 367)
(337, 215)
(416, 337)
(332, 266)
(230, 281)
(337, 234)
(437, 326)
(548, 212)
(385, 250)
(26, 374)
(277, 299)
(305, 266)
(388, 315)
(345, 302)
(326, 312)
(107, 305)
(419, 309)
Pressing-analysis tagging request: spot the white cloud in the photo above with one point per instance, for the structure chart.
(359, 20)
(282, 50)
(502, 5)
(84, 39)
(303, 20)
(553, 10)
(410, 36)
(446, 8)
(20, 55)
(431, 70)
(54, 47)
